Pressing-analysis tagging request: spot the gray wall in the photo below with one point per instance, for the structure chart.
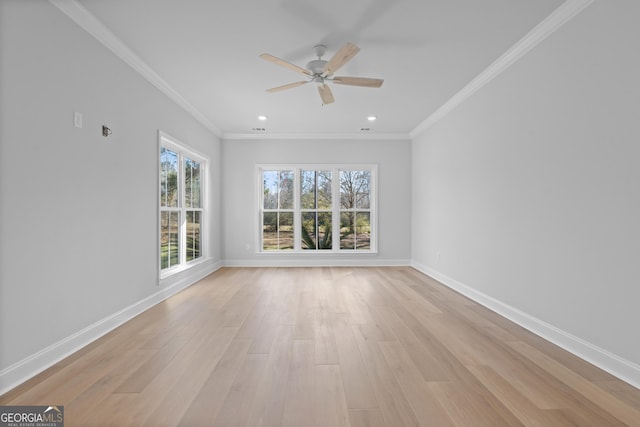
(240, 158)
(530, 189)
(78, 215)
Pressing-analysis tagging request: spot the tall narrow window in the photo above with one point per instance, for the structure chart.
(277, 210)
(193, 208)
(355, 209)
(315, 208)
(181, 205)
(169, 209)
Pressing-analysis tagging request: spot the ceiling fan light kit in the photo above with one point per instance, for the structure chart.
(322, 72)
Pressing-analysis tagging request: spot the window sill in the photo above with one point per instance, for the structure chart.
(177, 270)
(317, 253)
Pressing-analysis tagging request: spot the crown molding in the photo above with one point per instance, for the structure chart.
(563, 14)
(87, 21)
(318, 136)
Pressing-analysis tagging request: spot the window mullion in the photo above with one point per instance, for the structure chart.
(315, 206)
(297, 214)
(335, 208)
(182, 239)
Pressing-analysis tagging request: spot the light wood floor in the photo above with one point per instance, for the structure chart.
(326, 347)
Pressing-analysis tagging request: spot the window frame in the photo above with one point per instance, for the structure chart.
(336, 208)
(183, 151)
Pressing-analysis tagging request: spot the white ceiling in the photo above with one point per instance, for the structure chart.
(426, 50)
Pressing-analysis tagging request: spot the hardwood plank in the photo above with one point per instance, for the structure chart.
(324, 340)
(356, 307)
(623, 391)
(435, 363)
(330, 402)
(424, 403)
(266, 333)
(200, 365)
(301, 385)
(357, 386)
(86, 403)
(528, 413)
(467, 408)
(152, 366)
(240, 304)
(366, 418)
(205, 407)
(304, 325)
(268, 405)
(392, 401)
(236, 406)
(250, 327)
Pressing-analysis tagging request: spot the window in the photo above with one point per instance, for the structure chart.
(277, 216)
(317, 208)
(355, 209)
(182, 173)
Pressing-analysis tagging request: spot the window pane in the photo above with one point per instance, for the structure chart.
(286, 190)
(277, 231)
(347, 227)
(270, 189)
(315, 189)
(193, 235)
(169, 253)
(192, 183)
(362, 190)
(324, 189)
(168, 178)
(354, 189)
(308, 189)
(270, 231)
(308, 230)
(324, 230)
(363, 230)
(285, 230)
(316, 230)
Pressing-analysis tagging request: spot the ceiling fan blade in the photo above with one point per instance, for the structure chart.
(358, 81)
(343, 56)
(289, 86)
(325, 94)
(285, 64)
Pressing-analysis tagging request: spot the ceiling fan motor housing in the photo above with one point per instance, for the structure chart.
(316, 66)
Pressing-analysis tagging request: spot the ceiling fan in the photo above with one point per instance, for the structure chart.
(321, 72)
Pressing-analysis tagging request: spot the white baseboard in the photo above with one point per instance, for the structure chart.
(623, 369)
(277, 261)
(29, 367)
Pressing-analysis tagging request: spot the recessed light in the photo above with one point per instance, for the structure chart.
(262, 118)
(372, 118)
